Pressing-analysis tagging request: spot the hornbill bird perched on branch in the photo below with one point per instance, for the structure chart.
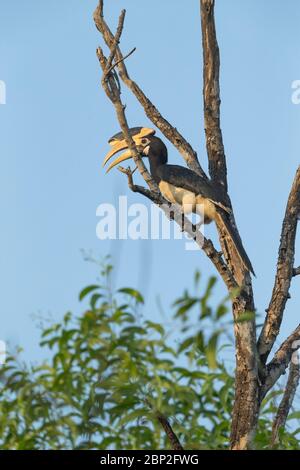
(179, 184)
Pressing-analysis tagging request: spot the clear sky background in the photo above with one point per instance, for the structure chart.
(57, 120)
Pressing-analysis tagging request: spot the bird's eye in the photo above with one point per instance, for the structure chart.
(144, 141)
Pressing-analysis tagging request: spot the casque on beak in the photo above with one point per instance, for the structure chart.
(118, 143)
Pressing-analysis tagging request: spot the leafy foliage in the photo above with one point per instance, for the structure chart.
(111, 372)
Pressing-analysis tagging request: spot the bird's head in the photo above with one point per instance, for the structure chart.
(144, 140)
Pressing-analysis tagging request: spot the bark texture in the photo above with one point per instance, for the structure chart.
(287, 400)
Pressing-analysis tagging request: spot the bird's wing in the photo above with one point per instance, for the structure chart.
(184, 178)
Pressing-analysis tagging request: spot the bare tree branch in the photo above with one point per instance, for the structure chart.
(173, 439)
(112, 90)
(281, 360)
(154, 196)
(170, 132)
(122, 60)
(214, 140)
(163, 420)
(115, 43)
(211, 95)
(296, 271)
(284, 274)
(287, 400)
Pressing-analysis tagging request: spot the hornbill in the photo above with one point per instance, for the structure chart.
(179, 184)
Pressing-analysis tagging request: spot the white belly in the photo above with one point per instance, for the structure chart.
(188, 200)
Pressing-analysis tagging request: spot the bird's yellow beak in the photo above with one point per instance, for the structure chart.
(118, 143)
(117, 147)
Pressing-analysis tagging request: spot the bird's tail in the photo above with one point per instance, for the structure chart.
(224, 222)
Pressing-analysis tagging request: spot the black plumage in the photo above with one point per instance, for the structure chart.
(182, 177)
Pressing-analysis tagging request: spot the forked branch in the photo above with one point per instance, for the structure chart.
(296, 271)
(281, 360)
(284, 274)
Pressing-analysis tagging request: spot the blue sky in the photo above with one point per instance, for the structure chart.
(57, 120)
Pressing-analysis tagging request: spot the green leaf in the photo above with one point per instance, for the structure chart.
(221, 311)
(94, 300)
(186, 344)
(156, 326)
(294, 415)
(197, 277)
(206, 310)
(135, 330)
(133, 293)
(200, 341)
(211, 350)
(187, 304)
(87, 290)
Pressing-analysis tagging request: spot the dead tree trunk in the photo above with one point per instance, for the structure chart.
(245, 411)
